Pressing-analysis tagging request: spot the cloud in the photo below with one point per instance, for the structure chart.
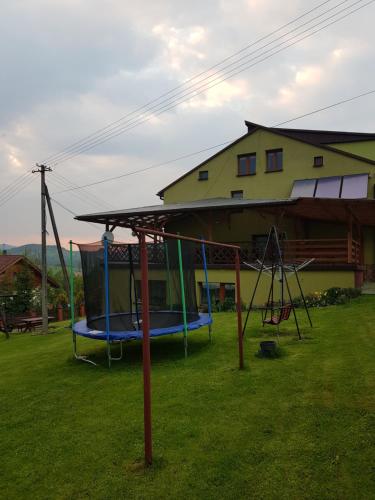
(180, 46)
(70, 67)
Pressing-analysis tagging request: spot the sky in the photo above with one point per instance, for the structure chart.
(71, 67)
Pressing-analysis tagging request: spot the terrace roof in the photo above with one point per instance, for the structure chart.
(157, 216)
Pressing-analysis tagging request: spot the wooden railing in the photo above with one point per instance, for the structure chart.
(324, 251)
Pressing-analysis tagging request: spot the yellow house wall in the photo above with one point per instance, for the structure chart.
(311, 281)
(297, 164)
(361, 148)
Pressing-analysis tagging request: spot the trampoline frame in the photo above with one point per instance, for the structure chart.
(141, 233)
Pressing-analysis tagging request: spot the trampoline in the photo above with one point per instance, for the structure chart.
(81, 327)
(113, 293)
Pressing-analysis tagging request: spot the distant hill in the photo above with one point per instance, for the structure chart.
(34, 252)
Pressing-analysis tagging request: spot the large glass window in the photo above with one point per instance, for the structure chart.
(247, 164)
(274, 160)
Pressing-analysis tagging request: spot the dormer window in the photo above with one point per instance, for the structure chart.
(203, 175)
(318, 161)
(274, 160)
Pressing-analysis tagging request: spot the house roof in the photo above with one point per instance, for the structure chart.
(8, 261)
(156, 216)
(317, 138)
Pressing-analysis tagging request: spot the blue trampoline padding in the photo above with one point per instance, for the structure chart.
(81, 328)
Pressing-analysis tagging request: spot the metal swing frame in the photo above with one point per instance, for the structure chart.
(277, 265)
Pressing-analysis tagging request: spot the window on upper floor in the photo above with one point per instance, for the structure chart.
(318, 161)
(246, 164)
(203, 175)
(238, 195)
(274, 160)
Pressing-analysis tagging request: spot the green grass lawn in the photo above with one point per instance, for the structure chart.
(301, 426)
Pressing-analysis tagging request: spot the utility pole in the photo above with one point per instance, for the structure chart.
(42, 169)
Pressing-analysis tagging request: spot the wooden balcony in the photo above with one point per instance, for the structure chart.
(325, 252)
(332, 253)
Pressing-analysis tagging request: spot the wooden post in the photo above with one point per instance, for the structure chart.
(350, 238)
(222, 293)
(238, 305)
(42, 169)
(146, 351)
(59, 313)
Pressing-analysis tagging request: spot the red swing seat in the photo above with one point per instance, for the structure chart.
(283, 315)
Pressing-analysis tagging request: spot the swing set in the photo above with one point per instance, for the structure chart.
(274, 267)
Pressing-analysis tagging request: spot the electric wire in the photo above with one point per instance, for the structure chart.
(344, 101)
(186, 81)
(56, 182)
(309, 34)
(189, 155)
(72, 213)
(12, 184)
(150, 167)
(232, 73)
(20, 187)
(89, 196)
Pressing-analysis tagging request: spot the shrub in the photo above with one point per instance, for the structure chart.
(331, 296)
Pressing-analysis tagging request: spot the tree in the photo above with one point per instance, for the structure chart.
(24, 289)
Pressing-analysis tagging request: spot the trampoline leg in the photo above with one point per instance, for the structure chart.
(119, 358)
(210, 332)
(80, 357)
(109, 354)
(185, 346)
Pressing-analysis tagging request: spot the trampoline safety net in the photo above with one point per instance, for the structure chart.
(125, 299)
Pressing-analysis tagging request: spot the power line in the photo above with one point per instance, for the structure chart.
(14, 193)
(189, 155)
(171, 102)
(13, 183)
(57, 183)
(72, 213)
(199, 90)
(167, 107)
(90, 198)
(49, 158)
(326, 107)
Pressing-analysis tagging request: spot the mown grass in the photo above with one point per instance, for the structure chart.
(300, 426)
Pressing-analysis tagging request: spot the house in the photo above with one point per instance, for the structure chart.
(10, 265)
(316, 186)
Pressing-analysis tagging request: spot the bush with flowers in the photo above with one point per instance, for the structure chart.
(329, 297)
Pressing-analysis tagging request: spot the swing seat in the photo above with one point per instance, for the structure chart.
(283, 315)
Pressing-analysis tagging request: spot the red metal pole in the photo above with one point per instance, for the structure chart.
(238, 304)
(146, 351)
